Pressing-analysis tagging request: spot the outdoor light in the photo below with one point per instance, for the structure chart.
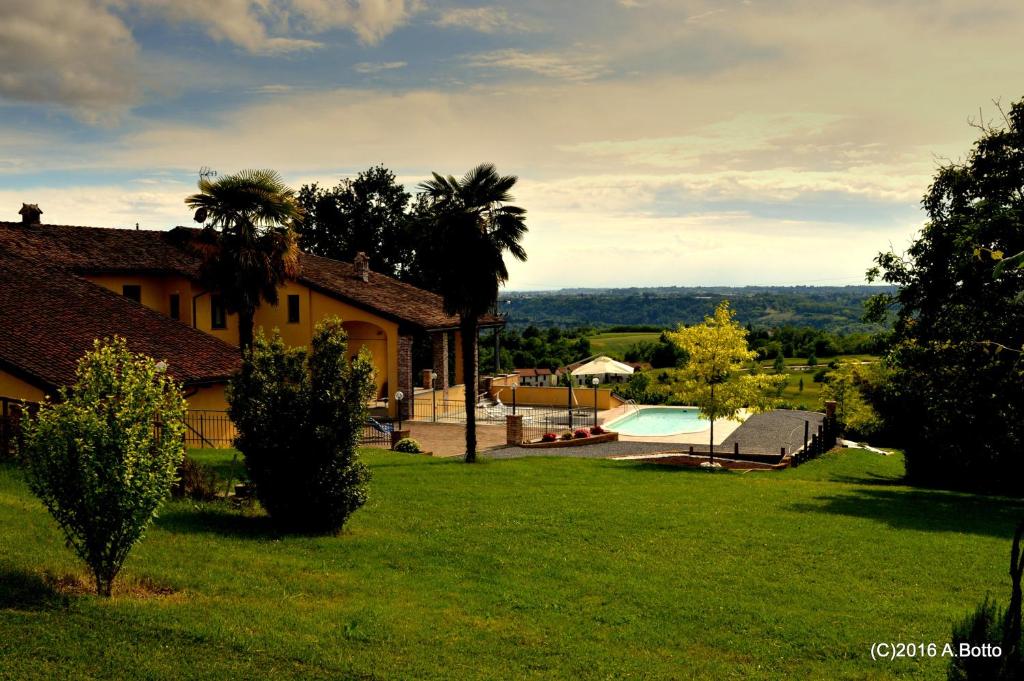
(595, 381)
(433, 395)
(161, 366)
(399, 396)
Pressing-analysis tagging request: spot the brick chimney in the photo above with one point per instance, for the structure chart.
(30, 213)
(362, 263)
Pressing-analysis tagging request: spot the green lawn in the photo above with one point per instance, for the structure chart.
(615, 344)
(534, 568)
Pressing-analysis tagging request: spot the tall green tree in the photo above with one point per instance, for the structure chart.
(954, 401)
(247, 244)
(472, 224)
(103, 458)
(713, 377)
(371, 213)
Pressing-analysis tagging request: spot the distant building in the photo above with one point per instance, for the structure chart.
(537, 377)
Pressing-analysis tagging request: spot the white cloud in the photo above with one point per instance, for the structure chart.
(275, 26)
(482, 19)
(370, 68)
(562, 66)
(74, 53)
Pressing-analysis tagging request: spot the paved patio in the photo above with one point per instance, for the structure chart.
(449, 439)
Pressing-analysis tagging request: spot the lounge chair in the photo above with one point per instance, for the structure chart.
(383, 428)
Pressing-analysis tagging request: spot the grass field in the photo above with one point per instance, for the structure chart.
(615, 344)
(537, 568)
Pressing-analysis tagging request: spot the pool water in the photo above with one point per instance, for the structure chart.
(660, 421)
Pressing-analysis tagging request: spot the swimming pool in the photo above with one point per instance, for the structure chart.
(660, 421)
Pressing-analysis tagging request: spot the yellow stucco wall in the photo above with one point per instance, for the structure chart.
(557, 397)
(207, 397)
(17, 389)
(156, 291)
(365, 329)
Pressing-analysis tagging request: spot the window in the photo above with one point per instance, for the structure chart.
(174, 306)
(293, 309)
(132, 292)
(218, 316)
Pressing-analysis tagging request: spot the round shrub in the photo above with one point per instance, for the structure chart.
(548, 437)
(103, 459)
(567, 435)
(299, 414)
(580, 434)
(407, 446)
(597, 430)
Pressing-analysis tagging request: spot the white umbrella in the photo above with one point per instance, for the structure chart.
(602, 365)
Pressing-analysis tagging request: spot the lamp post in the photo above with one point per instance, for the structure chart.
(595, 382)
(399, 396)
(433, 393)
(569, 383)
(514, 386)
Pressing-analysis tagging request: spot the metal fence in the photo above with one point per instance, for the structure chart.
(557, 422)
(209, 428)
(377, 432)
(8, 436)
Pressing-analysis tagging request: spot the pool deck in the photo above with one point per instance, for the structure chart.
(761, 433)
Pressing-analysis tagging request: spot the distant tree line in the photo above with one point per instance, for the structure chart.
(536, 348)
(835, 309)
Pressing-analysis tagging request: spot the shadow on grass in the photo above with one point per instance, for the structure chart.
(23, 590)
(925, 510)
(870, 478)
(225, 522)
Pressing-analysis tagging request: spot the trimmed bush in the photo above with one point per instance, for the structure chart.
(597, 430)
(580, 434)
(567, 435)
(299, 414)
(407, 446)
(195, 481)
(548, 437)
(104, 457)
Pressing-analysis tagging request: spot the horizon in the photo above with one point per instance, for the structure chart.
(657, 143)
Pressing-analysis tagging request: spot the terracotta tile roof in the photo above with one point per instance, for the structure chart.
(97, 250)
(390, 297)
(533, 372)
(50, 318)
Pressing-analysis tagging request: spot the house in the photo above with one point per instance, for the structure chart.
(63, 286)
(536, 377)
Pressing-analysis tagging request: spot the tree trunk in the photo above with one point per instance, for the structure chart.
(467, 329)
(245, 325)
(711, 446)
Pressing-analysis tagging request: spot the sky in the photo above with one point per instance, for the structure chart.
(657, 142)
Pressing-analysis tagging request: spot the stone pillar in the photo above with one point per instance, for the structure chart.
(405, 376)
(514, 429)
(439, 343)
(425, 380)
(830, 409)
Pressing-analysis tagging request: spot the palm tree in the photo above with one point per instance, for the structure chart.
(247, 244)
(472, 226)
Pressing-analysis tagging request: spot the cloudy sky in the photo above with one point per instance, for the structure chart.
(658, 142)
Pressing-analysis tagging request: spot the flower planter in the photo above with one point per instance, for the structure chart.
(592, 440)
